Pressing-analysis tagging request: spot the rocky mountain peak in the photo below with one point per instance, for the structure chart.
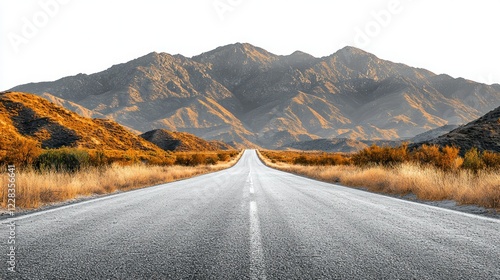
(238, 53)
(350, 52)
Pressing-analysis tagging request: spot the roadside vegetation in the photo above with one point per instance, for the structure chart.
(55, 175)
(429, 172)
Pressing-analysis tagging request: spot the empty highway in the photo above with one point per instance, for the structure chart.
(251, 222)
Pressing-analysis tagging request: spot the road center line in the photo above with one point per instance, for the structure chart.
(257, 268)
(252, 190)
(249, 180)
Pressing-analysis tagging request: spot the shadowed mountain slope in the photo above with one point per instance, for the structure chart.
(25, 115)
(483, 133)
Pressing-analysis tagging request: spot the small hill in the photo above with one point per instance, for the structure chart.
(483, 133)
(182, 141)
(339, 145)
(342, 145)
(24, 115)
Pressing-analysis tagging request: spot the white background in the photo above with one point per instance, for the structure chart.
(459, 38)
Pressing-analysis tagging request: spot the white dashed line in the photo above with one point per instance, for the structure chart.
(249, 180)
(257, 268)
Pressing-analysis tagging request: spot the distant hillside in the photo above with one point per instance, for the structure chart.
(433, 133)
(25, 115)
(483, 133)
(341, 145)
(245, 95)
(182, 141)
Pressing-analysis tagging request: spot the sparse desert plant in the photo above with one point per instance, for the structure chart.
(301, 160)
(307, 158)
(335, 159)
(491, 160)
(223, 156)
(200, 158)
(449, 158)
(212, 159)
(384, 155)
(130, 157)
(197, 159)
(426, 154)
(182, 159)
(473, 160)
(446, 158)
(22, 152)
(99, 159)
(63, 159)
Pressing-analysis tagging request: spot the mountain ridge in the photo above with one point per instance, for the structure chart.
(246, 95)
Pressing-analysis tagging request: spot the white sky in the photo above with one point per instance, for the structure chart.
(68, 37)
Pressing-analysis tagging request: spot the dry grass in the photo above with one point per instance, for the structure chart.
(427, 182)
(35, 189)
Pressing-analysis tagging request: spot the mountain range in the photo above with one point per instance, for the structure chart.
(249, 97)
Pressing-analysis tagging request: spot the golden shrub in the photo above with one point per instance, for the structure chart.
(22, 152)
(491, 160)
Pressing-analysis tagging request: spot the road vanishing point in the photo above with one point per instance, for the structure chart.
(251, 222)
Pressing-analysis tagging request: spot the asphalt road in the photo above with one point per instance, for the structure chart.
(251, 222)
